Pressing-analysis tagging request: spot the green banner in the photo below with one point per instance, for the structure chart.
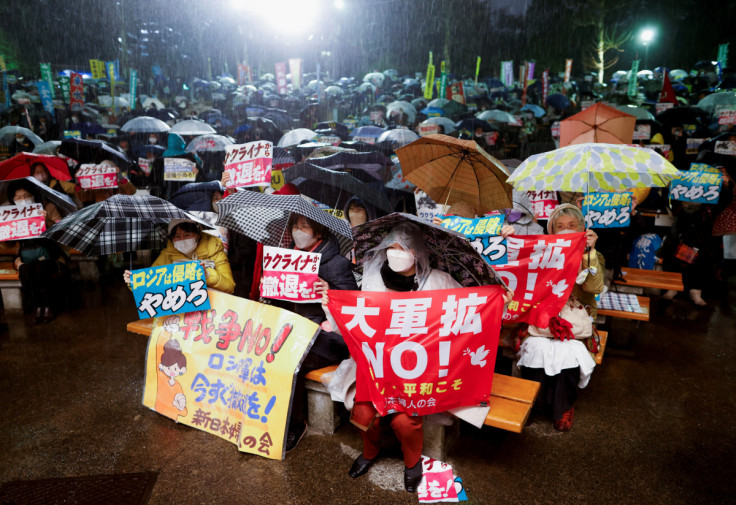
(477, 69)
(133, 88)
(64, 83)
(110, 66)
(443, 81)
(633, 85)
(723, 55)
(46, 76)
(429, 86)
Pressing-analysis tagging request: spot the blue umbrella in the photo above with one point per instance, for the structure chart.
(534, 109)
(558, 101)
(433, 112)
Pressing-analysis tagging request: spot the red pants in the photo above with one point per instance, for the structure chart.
(408, 430)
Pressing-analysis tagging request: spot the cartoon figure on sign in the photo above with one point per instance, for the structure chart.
(171, 362)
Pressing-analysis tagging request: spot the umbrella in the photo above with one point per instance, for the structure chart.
(558, 101)
(333, 187)
(401, 106)
(145, 124)
(450, 170)
(19, 166)
(375, 78)
(445, 122)
(192, 127)
(499, 116)
(366, 87)
(393, 139)
(334, 91)
(119, 224)
(107, 101)
(593, 167)
(49, 147)
(367, 132)
(534, 109)
(438, 102)
(208, 143)
(9, 132)
(332, 128)
(94, 151)
(470, 124)
(598, 123)
(710, 104)
(367, 166)
(63, 202)
(449, 251)
(296, 137)
(678, 74)
(637, 112)
(264, 217)
(281, 157)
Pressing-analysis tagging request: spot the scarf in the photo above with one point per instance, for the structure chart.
(397, 282)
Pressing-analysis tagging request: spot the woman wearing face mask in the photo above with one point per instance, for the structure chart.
(42, 175)
(556, 356)
(125, 187)
(40, 262)
(329, 347)
(188, 243)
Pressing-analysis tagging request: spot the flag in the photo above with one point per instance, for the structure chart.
(668, 92)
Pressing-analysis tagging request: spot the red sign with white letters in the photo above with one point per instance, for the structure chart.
(249, 164)
(421, 352)
(290, 274)
(18, 222)
(541, 272)
(91, 176)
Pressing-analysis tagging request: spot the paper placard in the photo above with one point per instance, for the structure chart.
(90, 176)
(19, 223)
(643, 132)
(693, 145)
(484, 234)
(428, 129)
(367, 140)
(663, 106)
(145, 165)
(329, 139)
(249, 164)
(543, 203)
(607, 210)
(290, 274)
(170, 289)
(179, 169)
(726, 147)
(697, 187)
(726, 115)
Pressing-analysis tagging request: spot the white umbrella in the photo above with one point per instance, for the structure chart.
(397, 137)
(711, 102)
(496, 115)
(402, 106)
(192, 127)
(49, 147)
(637, 112)
(10, 131)
(208, 143)
(145, 124)
(152, 101)
(375, 78)
(106, 101)
(678, 74)
(295, 137)
(445, 122)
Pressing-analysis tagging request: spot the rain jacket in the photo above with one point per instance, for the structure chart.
(208, 248)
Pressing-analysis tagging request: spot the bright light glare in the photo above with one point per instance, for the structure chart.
(339, 4)
(647, 35)
(291, 17)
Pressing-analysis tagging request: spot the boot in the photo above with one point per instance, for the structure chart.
(38, 315)
(669, 294)
(696, 298)
(48, 315)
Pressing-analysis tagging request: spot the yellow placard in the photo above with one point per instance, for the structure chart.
(228, 371)
(277, 179)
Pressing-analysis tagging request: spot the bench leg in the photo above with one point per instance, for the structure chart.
(12, 298)
(439, 435)
(323, 415)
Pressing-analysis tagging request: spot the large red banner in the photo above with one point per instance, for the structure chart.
(541, 272)
(421, 352)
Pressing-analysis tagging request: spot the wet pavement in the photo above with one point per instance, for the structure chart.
(657, 424)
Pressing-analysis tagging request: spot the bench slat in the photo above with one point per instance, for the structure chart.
(514, 388)
(651, 279)
(141, 327)
(316, 375)
(507, 414)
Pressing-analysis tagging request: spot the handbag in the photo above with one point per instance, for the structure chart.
(33, 254)
(686, 253)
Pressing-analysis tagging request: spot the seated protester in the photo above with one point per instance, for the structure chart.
(40, 262)
(358, 212)
(329, 347)
(188, 243)
(176, 149)
(556, 356)
(42, 174)
(521, 216)
(90, 196)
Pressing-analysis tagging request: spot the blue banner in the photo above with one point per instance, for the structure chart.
(696, 187)
(6, 90)
(170, 289)
(607, 210)
(484, 234)
(44, 92)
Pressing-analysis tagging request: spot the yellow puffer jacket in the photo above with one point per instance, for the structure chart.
(208, 248)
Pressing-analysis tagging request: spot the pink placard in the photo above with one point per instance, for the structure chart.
(18, 223)
(428, 129)
(290, 274)
(91, 176)
(249, 164)
(543, 203)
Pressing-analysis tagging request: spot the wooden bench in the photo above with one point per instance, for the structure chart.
(10, 287)
(636, 316)
(141, 327)
(637, 277)
(510, 404)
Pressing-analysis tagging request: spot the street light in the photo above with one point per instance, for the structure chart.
(646, 36)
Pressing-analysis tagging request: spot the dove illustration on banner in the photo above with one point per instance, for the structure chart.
(558, 288)
(477, 357)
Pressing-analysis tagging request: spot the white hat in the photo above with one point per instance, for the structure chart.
(175, 222)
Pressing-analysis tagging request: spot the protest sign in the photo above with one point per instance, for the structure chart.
(290, 274)
(660, 107)
(484, 234)
(145, 165)
(491, 138)
(421, 352)
(367, 140)
(376, 116)
(179, 170)
(438, 482)
(541, 272)
(697, 187)
(295, 68)
(726, 115)
(704, 167)
(693, 145)
(249, 164)
(229, 371)
(543, 203)
(76, 92)
(427, 208)
(281, 78)
(607, 210)
(555, 129)
(662, 149)
(726, 147)
(568, 70)
(18, 223)
(428, 129)
(329, 139)
(72, 134)
(91, 176)
(169, 289)
(456, 92)
(642, 132)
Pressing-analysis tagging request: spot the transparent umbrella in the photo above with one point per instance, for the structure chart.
(145, 124)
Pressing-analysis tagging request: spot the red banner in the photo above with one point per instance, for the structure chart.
(541, 272)
(76, 92)
(421, 352)
(456, 92)
(281, 78)
(290, 274)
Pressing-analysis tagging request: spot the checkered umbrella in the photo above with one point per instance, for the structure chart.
(119, 224)
(264, 217)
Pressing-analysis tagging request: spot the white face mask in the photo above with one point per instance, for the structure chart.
(152, 140)
(399, 261)
(24, 201)
(302, 239)
(41, 178)
(565, 232)
(186, 246)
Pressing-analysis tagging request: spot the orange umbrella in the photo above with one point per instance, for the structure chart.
(451, 170)
(598, 124)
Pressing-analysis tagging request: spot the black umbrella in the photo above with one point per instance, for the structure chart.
(94, 151)
(367, 167)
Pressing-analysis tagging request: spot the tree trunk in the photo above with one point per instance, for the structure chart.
(601, 51)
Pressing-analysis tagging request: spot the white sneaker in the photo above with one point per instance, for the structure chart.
(669, 294)
(696, 298)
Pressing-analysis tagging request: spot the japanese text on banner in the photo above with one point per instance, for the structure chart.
(169, 289)
(421, 352)
(249, 164)
(17, 223)
(543, 203)
(541, 272)
(91, 176)
(484, 234)
(289, 274)
(229, 371)
(179, 169)
(698, 187)
(607, 210)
